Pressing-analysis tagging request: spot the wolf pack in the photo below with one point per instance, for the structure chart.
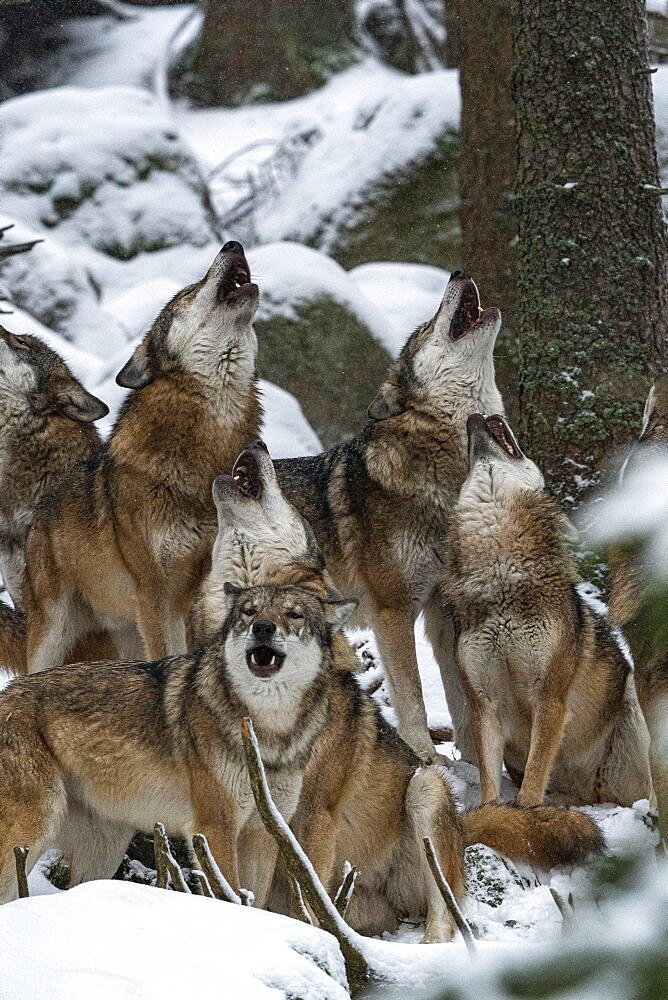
(172, 580)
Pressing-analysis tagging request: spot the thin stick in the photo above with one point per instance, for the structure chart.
(449, 896)
(299, 900)
(161, 874)
(175, 873)
(20, 855)
(299, 866)
(565, 910)
(345, 891)
(220, 887)
(202, 883)
(17, 248)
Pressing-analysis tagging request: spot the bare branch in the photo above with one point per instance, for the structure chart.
(202, 883)
(441, 734)
(220, 887)
(299, 866)
(161, 874)
(449, 896)
(345, 891)
(175, 873)
(299, 900)
(6, 252)
(20, 855)
(565, 909)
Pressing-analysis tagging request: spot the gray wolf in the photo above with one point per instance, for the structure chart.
(638, 605)
(46, 429)
(90, 752)
(125, 542)
(380, 503)
(547, 683)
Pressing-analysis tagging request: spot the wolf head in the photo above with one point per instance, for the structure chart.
(254, 514)
(204, 329)
(277, 641)
(496, 458)
(35, 379)
(448, 362)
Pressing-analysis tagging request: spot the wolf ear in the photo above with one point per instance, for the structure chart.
(138, 372)
(340, 612)
(78, 404)
(388, 403)
(232, 590)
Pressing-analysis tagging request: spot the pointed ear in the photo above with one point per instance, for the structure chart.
(78, 404)
(232, 590)
(138, 372)
(388, 403)
(340, 612)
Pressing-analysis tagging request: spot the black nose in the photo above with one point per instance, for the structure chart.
(260, 444)
(233, 247)
(455, 274)
(263, 630)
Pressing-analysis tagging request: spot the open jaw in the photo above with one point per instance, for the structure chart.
(264, 661)
(468, 311)
(235, 285)
(499, 429)
(246, 474)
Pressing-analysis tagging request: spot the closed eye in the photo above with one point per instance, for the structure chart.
(295, 616)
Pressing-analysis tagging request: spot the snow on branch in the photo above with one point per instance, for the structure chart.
(168, 861)
(299, 867)
(449, 896)
(220, 887)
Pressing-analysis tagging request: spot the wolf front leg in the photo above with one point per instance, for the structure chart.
(258, 849)
(439, 626)
(393, 629)
(546, 732)
(163, 632)
(215, 814)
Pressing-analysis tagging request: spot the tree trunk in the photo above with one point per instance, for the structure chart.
(592, 258)
(483, 41)
(272, 51)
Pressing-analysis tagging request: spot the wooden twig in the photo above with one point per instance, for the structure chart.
(20, 855)
(345, 891)
(161, 843)
(202, 883)
(299, 900)
(449, 896)
(161, 874)
(220, 887)
(564, 908)
(441, 734)
(299, 866)
(11, 251)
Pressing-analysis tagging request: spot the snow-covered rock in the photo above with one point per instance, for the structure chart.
(319, 336)
(114, 940)
(104, 167)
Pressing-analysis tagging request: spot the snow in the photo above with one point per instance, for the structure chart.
(113, 940)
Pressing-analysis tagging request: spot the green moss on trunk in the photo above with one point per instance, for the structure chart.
(592, 242)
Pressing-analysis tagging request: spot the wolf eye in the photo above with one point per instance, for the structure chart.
(295, 615)
(249, 611)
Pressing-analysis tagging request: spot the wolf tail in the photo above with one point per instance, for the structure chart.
(542, 835)
(13, 639)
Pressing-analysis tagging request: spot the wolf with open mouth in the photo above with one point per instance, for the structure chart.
(262, 539)
(380, 503)
(124, 545)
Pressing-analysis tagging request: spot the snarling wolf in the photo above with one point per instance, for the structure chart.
(380, 503)
(46, 429)
(547, 683)
(638, 605)
(125, 543)
(93, 751)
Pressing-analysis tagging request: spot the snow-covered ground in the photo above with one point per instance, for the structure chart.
(113, 178)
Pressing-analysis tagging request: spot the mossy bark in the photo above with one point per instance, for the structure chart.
(592, 254)
(269, 51)
(487, 163)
